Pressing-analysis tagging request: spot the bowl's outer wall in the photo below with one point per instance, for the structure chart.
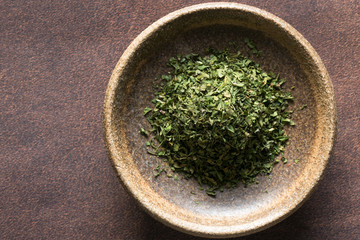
(155, 37)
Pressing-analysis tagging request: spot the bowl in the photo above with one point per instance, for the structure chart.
(180, 203)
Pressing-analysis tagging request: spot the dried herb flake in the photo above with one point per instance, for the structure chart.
(219, 118)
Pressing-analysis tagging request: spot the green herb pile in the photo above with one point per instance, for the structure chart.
(219, 118)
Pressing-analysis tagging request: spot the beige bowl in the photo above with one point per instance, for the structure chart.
(240, 211)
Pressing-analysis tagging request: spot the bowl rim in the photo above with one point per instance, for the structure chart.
(131, 180)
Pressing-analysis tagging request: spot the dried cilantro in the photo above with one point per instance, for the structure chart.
(219, 118)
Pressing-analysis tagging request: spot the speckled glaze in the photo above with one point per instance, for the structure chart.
(240, 211)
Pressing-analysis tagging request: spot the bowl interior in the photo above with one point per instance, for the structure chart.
(240, 200)
(180, 203)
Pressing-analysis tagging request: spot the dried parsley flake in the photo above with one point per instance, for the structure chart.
(219, 118)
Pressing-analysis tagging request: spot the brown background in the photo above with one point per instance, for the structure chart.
(56, 181)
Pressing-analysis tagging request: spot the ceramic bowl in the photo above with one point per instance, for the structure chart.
(239, 211)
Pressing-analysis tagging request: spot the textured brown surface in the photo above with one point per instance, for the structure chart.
(55, 179)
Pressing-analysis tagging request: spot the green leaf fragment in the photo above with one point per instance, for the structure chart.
(147, 110)
(303, 106)
(211, 193)
(144, 132)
